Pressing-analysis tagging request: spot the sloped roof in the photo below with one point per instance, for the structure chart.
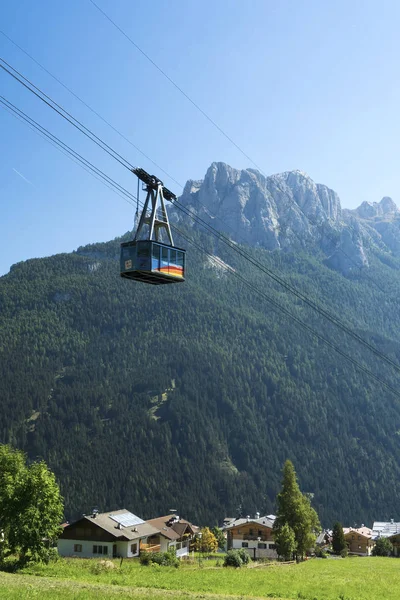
(106, 522)
(264, 521)
(385, 528)
(364, 531)
(172, 531)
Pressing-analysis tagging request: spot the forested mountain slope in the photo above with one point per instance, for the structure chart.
(191, 396)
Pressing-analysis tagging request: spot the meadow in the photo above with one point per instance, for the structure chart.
(331, 579)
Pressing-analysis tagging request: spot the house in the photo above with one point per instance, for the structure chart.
(389, 529)
(324, 538)
(359, 540)
(174, 532)
(253, 534)
(119, 533)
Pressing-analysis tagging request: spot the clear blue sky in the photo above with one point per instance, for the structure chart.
(301, 84)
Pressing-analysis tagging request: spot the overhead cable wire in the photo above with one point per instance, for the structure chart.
(220, 129)
(63, 113)
(130, 197)
(97, 114)
(293, 204)
(65, 149)
(124, 162)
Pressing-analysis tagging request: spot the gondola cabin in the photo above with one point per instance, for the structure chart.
(147, 257)
(152, 262)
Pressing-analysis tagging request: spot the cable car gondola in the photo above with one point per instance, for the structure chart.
(147, 257)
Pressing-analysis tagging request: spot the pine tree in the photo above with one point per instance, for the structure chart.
(295, 511)
(338, 539)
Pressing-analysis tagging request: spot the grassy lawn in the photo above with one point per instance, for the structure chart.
(349, 579)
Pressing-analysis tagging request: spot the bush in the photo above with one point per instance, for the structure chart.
(145, 558)
(344, 553)
(383, 547)
(164, 559)
(244, 555)
(319, 553)
(236, 558)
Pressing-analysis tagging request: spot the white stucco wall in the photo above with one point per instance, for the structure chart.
(259, 552)
(66, 548)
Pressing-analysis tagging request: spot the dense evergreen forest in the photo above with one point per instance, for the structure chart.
(192, 396)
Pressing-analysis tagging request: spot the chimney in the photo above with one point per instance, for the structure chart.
(257, 515)
(119, 526)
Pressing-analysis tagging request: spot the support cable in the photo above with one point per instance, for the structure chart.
(125, 163)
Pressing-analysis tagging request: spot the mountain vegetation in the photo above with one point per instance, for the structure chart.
(192, 396)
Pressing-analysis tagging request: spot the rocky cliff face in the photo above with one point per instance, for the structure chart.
(290, 210)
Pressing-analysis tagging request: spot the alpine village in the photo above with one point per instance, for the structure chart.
(207, 405)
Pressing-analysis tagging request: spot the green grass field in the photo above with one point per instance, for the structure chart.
(349, 579)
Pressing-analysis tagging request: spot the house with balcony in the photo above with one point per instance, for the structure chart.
(253, 534)
(359, 540)
(174, 532)
(114, 534)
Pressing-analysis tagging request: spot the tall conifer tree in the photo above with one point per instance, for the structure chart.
(294, 510)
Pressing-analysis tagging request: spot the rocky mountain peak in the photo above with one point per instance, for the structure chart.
(372, 210)
(289, 210)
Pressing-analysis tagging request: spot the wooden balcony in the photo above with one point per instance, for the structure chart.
(150, 547)
(252, 538)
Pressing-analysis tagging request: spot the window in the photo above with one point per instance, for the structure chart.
(272, 547)
(105, 549)
(245, 545)
(164, 257)
(251, 532)
(94, 549)
(172, 258)
(143, 250)
(99, 549)
(134, 548)
(259, 533)
(179, 258)
(77, 547)
(262, 546)
(155, 262)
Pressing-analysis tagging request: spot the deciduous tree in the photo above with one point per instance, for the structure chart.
(207, 542)
(31, 507)
(383, 547)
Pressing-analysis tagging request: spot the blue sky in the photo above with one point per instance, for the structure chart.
(297, 84)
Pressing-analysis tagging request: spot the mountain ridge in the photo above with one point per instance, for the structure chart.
(87, 362)
(289, 209)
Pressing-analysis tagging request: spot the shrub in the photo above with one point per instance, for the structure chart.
(383, 547)
(164, 559)
(344, 553)
(145, 558)
(244, 555)
(236, 558)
